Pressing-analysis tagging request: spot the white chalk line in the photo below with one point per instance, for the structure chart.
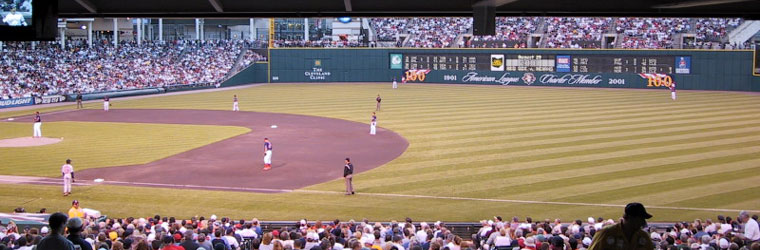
(51, 181)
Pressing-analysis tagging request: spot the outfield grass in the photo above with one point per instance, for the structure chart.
(103, 144)
(577, 145)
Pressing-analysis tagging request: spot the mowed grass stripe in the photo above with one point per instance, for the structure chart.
(683, 197)
(540, 181)
(573, 160)
(432, 174)
(486, 149)
(595, 122)
(495, 141)
(671, 183)
(590, 183)
(570, 130)
(518, 173)
(727, 198)
(408, 161)
(543, 116)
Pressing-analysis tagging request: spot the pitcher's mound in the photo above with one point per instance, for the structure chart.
(27, 142)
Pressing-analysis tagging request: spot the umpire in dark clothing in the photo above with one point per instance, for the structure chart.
(348, 174)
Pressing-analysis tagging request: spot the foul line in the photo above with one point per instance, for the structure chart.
(52, 181)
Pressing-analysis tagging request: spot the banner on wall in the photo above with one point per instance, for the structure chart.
(16, 102)
(683, 65)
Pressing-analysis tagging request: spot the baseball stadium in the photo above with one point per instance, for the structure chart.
(484, 124)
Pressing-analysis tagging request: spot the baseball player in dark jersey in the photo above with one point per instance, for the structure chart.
(106, 103)
(37, 125)
(267, 154)
(378, 99)
(373, 124)
(79, 100)
(348, 174)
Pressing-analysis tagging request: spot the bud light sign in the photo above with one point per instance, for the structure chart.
(683, 65)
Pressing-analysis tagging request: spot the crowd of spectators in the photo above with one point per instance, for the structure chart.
(217, 233)
(650, 33)
(509, 30)
(322, 43)
(48, 69)
(387, 29)
(575, 32)
(715, 29)
(250, 57)
(422, 32)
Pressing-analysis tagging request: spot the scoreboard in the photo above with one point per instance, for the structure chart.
(621, 64)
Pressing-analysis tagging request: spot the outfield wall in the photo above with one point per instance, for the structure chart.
(709, 70)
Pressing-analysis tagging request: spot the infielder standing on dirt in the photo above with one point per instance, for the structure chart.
(67, 171)
(37, 125)
(373, 124)
(267, 154)
(106, 103)
(378, 99)
(235, 103)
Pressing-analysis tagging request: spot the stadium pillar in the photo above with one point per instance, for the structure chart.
(203, 29)
(139, 31)
(89, 35)
(250, 29)
(306, 29)
(197, 29)
(115, 32)
(161, 29)
(63, 38)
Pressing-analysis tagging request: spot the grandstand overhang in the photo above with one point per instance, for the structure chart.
(335, 8)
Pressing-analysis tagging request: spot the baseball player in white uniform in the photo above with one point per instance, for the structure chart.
(673, 91)
(267, 154)
(68, 177)
(37, 125)
(235, 106)
(373, 124)
(106, 103)
(395, 84)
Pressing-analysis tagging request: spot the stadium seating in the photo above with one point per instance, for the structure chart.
(48, 70)
(138, 233)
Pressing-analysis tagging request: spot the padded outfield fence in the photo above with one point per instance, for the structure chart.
(643, 69)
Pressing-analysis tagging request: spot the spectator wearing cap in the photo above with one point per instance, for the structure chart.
(627, 234)
(189, 243)
(75, 211)
(75, 226)
(751, 231)
(56, 241)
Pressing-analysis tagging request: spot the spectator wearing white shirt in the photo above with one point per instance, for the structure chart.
(751, 231)
(14, 18)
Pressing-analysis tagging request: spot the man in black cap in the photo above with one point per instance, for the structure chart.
(627, 234)
(75, 226)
